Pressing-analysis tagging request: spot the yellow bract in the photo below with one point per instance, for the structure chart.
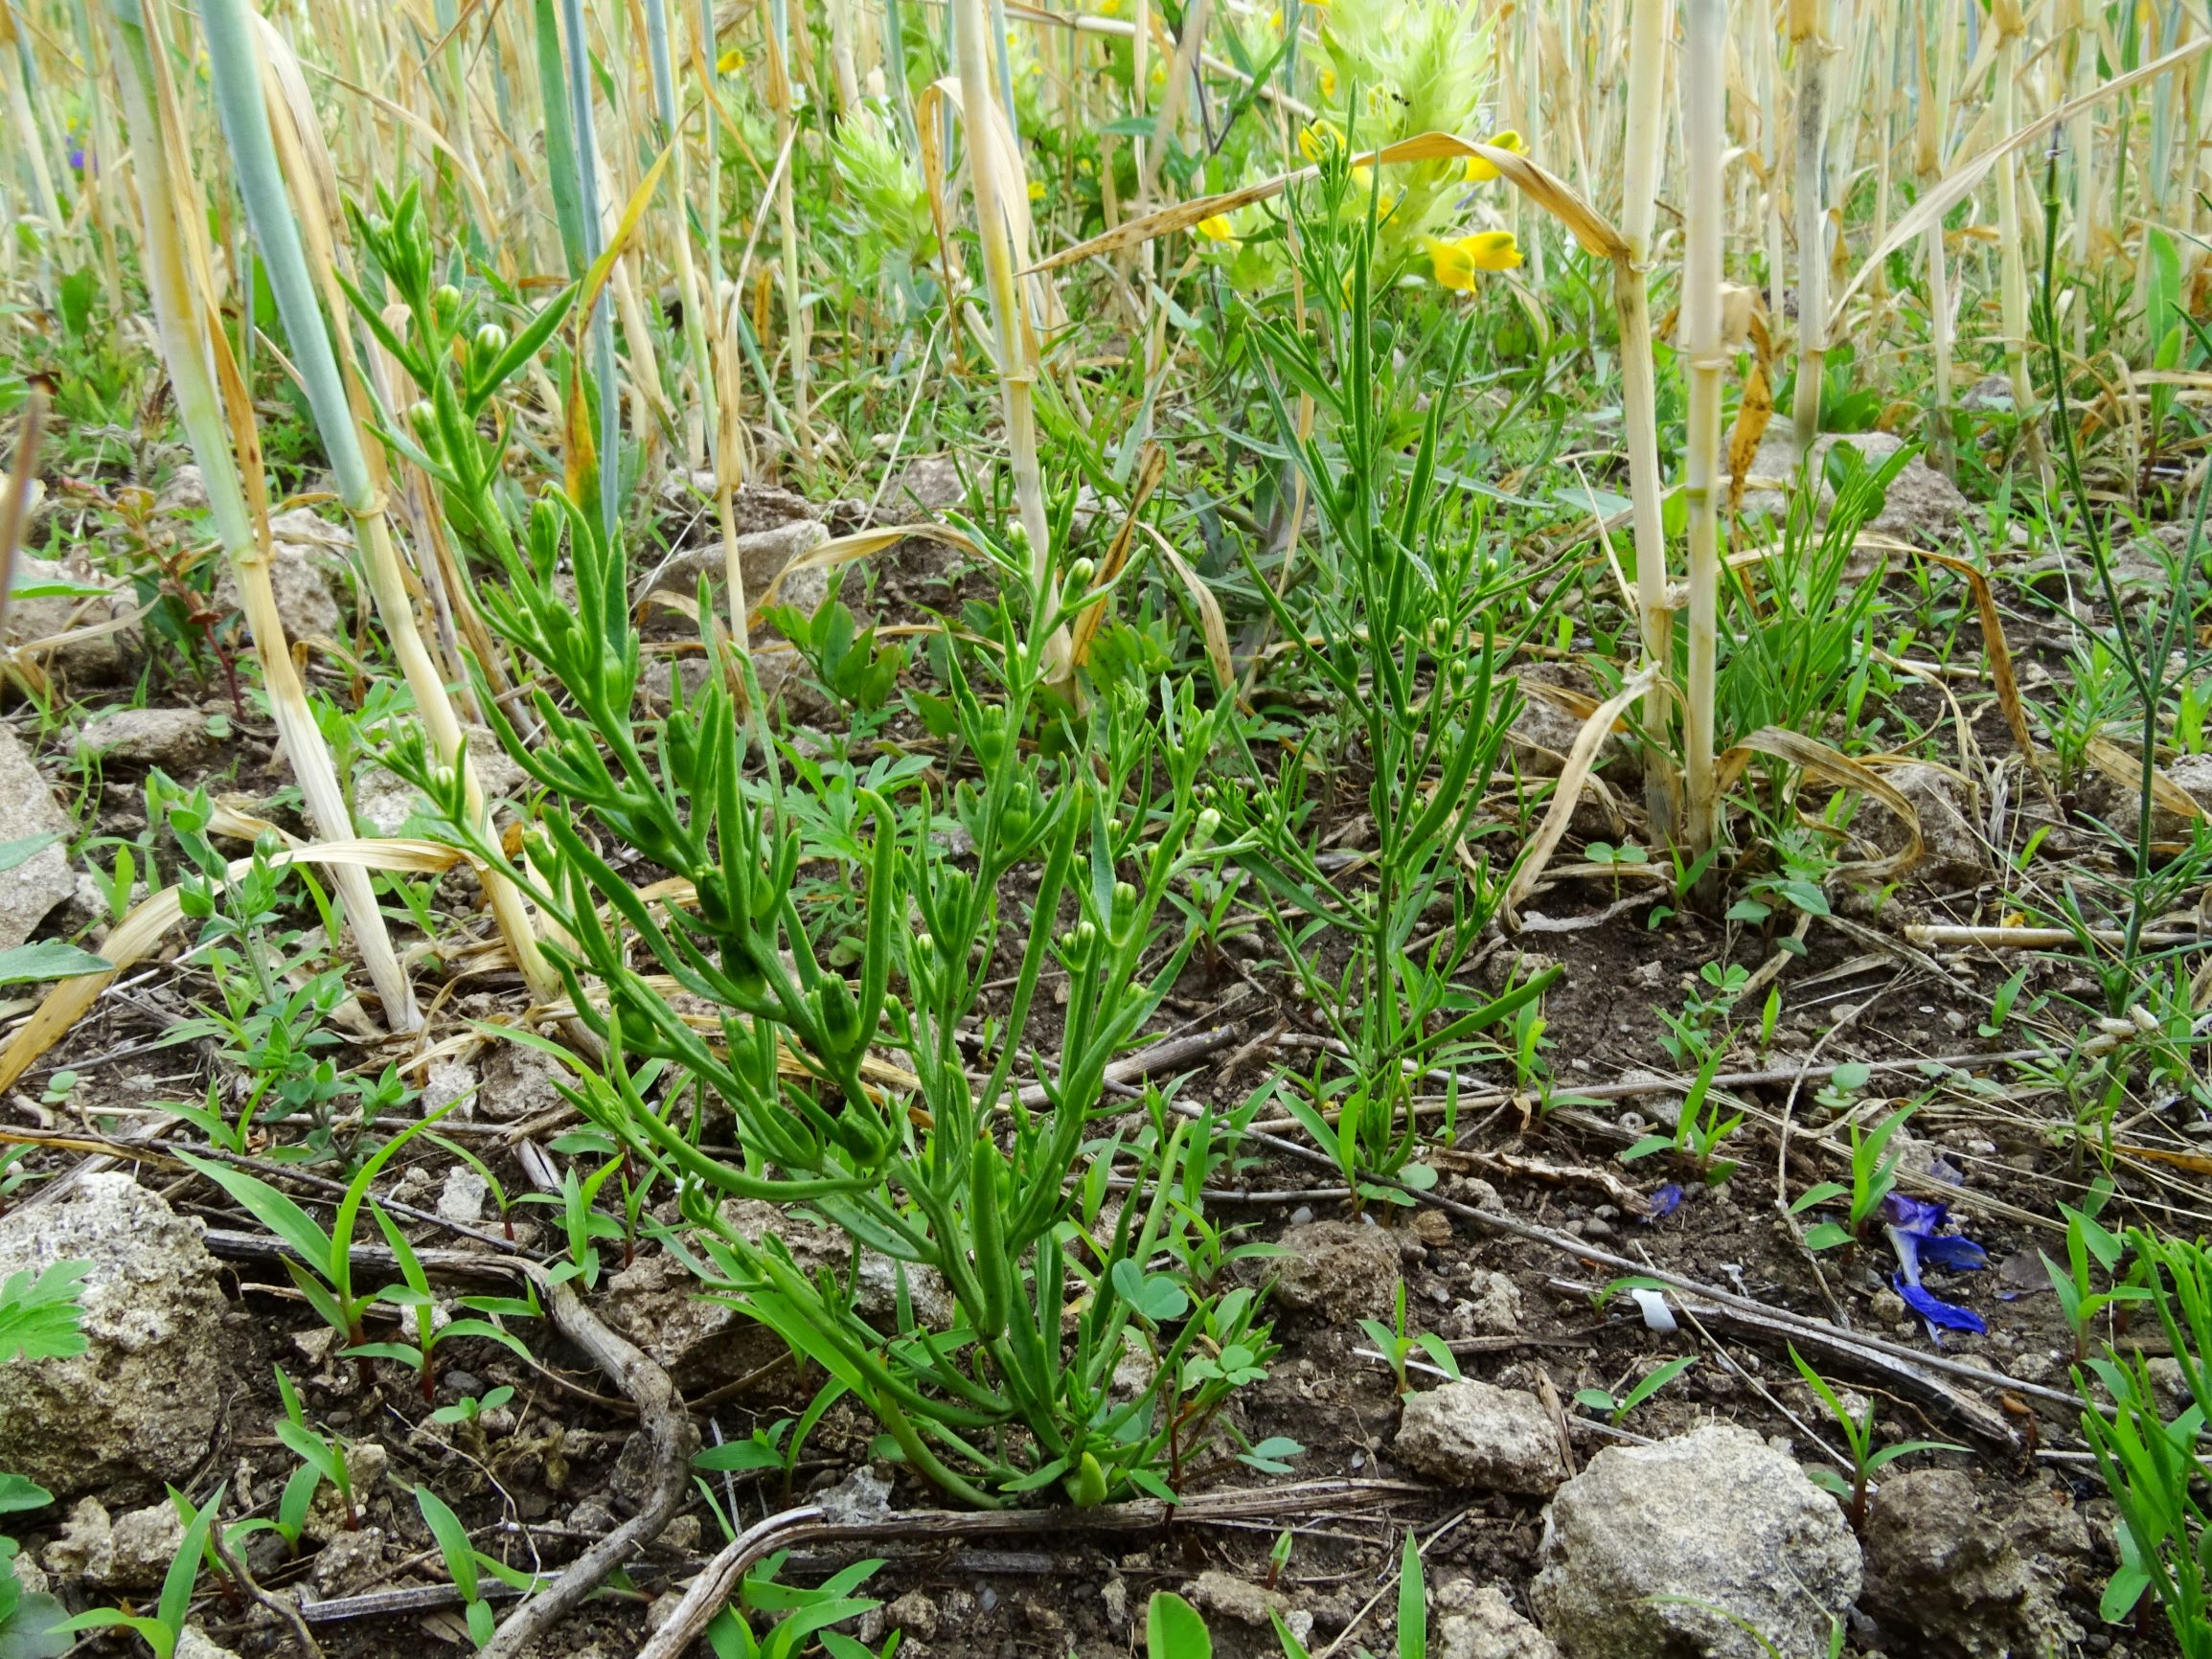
(1455, 263)
(1481, 171)
(1320, 138)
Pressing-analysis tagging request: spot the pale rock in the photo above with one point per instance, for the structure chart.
(518, 1083)
(85, 1548)
(1341, 1270)
(302, 546)
(101, 659)
(860, 1499)
(1494, 1306)
(1227, 1596)
(193, 1643)
(1477, 1620)
(1922, 504)
(365, 1464)
(349, 1563)
(145, 1543)
(33, 888)
(170, 739)
(1717, 1517)
(462, 1199)
(1474, 1434)
(1952, 853)
(140, 1405)
(1940, 1569)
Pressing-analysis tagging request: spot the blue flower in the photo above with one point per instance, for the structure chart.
(1664, 1202)
(1912, 1225)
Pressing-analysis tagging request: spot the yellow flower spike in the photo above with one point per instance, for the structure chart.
(1481, 171)
(1320, 138)
(1215, 228)
(730, 62)
(1492, 250)
(1450, 262)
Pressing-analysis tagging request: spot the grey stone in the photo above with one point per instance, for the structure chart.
(300, 547)
(172, 738)
(1952, 854)
(1475, 1620)
(1227, 1596)
(1940, 1568)
(1922, 504)
(860, 1497)
(930, 482)
(1338, 1269)
(661, 1306)
(1989, 393)
(1474, 1434)
(100, 659)
(1494, 1306)
(462, 1199)
(140, 1405)
(27, 809)
(349, 1563)
(1715, 1516)
(145, 1543)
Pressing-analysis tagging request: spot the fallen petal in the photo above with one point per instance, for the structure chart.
(1936, 1311)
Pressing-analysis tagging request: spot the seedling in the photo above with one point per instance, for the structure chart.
(1873, 1179)
(415, 1298)
(1699, 1125)
(1616, 1410)
(1853, 1484)
(469, 1408)
(1396, 1348)
(2089, 1242)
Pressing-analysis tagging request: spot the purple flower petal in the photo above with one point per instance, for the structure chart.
(1665, 1202)
(1910, 1214)
(1953, 1253)
(1937, 1313)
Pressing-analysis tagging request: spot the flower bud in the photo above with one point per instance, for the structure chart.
(444, 302)
(1080, 574)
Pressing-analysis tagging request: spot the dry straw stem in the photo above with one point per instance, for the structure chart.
(198, 355)
(1808, 34)
(235, 57)
(1570, 788)
(1927, 213)
(1704, 45)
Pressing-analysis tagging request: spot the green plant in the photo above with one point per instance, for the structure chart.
(415, 1297)
(851, 666)
(926, 1183)
(468, 1409)
(1616, 1410)
(2153, 1468)
(40, 1318)
(1396, 1347)
(806, 1612)
(2080, 1302)
(323, 1270)
(467, 1565)
(1702, 1124)
(1401, 631)
(322, 1457)
(1174, 1630)
(1873, 1179)
(163, 1629)
(1853, 1484)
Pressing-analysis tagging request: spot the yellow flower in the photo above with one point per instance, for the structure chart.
(1110, 8)
(1481, 171)
(1455, 263)
(730, 62)
(1275, 20)
(1216, 228)
(1328, 84)
(1492, 250)
(1317, 140)
(1450, 262)
(1037, 190)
